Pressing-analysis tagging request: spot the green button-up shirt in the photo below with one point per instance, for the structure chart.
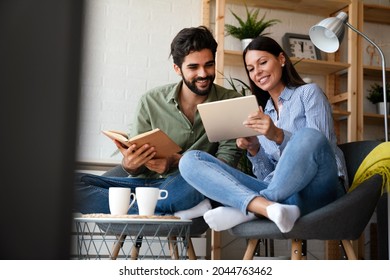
(159, 108)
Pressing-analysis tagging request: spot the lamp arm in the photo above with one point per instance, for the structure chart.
(383, 72)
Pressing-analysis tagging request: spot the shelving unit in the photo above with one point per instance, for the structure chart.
(306, 66)
(347, 105)
(378, 14)
(343, 102)
(374, 14)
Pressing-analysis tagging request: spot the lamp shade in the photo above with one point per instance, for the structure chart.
(328, 33)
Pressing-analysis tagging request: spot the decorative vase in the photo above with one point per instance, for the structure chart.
(380, 107)
(245, 43)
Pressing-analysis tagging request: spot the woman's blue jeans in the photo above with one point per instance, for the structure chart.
(306, 176)
(91, 193)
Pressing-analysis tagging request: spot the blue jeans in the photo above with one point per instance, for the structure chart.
(92, 193)
(306, 176)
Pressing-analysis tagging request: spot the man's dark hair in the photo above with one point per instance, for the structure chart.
(192, 39)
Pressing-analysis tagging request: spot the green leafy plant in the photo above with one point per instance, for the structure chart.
(375, 93)
(250, 28)
(238, 85)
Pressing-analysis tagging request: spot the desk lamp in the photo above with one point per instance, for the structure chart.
(327, 36)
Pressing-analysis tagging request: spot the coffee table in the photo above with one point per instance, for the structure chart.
(103, 236)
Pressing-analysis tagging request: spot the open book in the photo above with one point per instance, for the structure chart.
(164, 145)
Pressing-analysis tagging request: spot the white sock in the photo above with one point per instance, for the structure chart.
(223, 217)
(284, 216)
(194, 212)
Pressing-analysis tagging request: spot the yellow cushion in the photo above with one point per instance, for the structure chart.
(376, 162)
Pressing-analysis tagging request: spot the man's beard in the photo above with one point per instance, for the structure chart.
(192, 85)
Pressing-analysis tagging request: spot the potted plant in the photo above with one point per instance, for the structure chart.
(250, 28)
(375, 95)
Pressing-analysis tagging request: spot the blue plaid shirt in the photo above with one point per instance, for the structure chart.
(304, 106)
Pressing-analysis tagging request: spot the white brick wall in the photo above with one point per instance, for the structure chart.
(126, 49)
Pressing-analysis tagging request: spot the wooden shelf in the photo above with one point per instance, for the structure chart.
(374, 117)
(233, 58)
(319, 67)
(305, 66)
(340, 115)
(375, 72)
(321, 8)
(377, 13)
(337, 98)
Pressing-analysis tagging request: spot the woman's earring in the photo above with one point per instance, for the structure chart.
(283, 65)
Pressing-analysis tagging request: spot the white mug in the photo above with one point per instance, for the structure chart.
(147, 198)
(119, 200)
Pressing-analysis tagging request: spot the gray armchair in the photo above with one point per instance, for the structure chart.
(345, 219)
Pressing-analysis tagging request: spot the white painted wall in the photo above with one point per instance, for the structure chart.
(126, 52)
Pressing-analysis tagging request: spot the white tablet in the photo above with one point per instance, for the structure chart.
(223, 119)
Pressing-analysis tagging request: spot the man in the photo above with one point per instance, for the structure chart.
(173, 109)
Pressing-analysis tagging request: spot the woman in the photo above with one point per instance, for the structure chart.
(295, 158)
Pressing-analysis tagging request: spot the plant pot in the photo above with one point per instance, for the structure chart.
(381, 108)
(245, 43)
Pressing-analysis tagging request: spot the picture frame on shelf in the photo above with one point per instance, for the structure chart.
(300, 46)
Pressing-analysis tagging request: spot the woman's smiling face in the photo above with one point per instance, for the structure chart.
(265, 70)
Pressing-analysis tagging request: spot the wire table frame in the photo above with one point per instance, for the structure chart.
(131, 238)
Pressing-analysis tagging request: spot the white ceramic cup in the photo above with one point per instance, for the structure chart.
(147, 198)
(120, 200)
